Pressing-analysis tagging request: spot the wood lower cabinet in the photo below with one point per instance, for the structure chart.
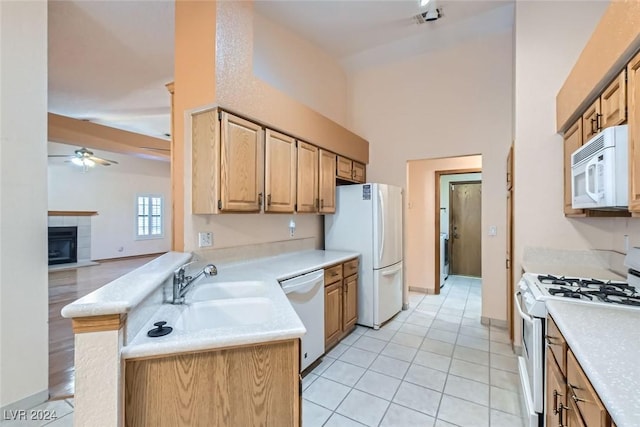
(332, 313)
(241, 386)
(280, 172)
(556, 395)
(349, 303)
(341, 301)
(570, 398)
(327, 181)
(307, 178)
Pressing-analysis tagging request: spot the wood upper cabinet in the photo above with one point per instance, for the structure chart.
(633, 74)
(349, 170)
(591, 121)
(332, 313)
(556, 395)
(613, 102)
(241, 164)
(307, 181)
(572, 141)
(280, 172)
(359, 172)
(344, 168)
(327, 181)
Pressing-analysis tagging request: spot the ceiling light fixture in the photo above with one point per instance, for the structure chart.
(423, 3)
(84, 162)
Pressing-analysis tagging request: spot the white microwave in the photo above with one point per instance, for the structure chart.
(599, 171)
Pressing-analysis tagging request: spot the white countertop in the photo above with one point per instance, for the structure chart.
(606, 343)
(126, 292)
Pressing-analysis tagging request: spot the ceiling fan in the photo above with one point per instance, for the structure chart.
(85, 158)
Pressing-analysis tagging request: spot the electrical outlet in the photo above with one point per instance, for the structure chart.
(205, 239)
(493, 230)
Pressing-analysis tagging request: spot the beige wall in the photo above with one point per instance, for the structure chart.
(23, 203)
(420, 216)
(452, 102)
(318, 83)
(299, 68)
(539, 220)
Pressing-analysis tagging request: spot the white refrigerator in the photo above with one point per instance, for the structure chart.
(368, 220)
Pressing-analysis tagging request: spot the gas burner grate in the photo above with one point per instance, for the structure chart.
(568, 293)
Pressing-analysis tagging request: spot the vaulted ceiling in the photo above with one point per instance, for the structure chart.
(109, 61)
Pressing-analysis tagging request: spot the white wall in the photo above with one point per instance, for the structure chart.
(299, 68)
(445, 180)
(451, 102)
(111, 191)
(23, 202)
(543, 60)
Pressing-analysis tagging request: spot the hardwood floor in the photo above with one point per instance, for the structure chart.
(65, 287)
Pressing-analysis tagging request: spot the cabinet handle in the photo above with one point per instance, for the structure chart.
(555, 403)
(561, 409)
(548, 338)
(317, 203)
(268, 199)
(259, 199)
(598, 124)
(321, 203)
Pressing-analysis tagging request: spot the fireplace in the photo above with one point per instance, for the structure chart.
(63, 245)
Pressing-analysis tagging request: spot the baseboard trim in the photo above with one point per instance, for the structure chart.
(157, 254)
(421, 290)
(498, 323)
(28, 402)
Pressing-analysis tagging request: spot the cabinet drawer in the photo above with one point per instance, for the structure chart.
(350, 267)
(556, 344)
(332, 274)
(583, 396)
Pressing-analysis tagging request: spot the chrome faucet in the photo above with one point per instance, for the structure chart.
(182, 282)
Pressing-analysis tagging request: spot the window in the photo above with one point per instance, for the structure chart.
(149, 217)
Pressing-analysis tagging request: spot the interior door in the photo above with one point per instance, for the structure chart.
(465, 201)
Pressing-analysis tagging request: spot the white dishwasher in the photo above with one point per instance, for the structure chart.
(306, 295)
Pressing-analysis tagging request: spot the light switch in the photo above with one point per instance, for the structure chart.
(493, 230)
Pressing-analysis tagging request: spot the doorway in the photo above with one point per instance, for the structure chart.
(465, 207)
(457, 209)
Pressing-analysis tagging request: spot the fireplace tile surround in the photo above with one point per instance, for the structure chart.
(84, 233)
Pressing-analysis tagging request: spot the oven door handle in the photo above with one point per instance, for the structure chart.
(524, 315)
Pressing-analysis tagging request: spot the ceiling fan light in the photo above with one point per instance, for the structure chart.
(423, 3)
(89, 162)
(77, 161)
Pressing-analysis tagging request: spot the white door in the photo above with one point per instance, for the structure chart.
(387, 301)
(387, 225)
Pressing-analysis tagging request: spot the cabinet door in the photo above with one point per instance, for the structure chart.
(572, 141)
(591, 121)
(327, 183)
(613, 102)
(343, 168)
(556, 395)
(350, 302)
(633, 73)
(241, 165)
(585, 398)
(280, 172)
(332, 313)
(307, 187)
(556, 345)
(359, 174)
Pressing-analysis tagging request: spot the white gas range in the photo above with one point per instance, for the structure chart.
(532, 292)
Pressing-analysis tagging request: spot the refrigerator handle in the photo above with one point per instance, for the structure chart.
(381, 207)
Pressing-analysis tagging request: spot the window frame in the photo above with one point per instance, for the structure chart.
(149, 197)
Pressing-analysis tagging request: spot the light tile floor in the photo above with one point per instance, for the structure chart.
(432, 365)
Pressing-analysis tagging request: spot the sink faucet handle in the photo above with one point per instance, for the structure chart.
(210, 270)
